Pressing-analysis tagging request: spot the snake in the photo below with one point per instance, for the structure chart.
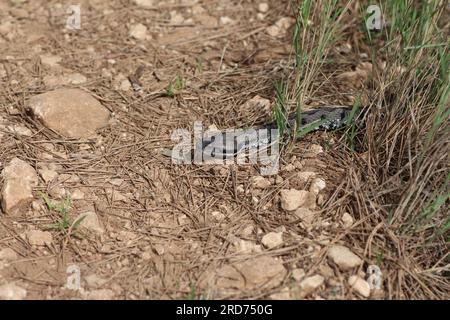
(231, 143)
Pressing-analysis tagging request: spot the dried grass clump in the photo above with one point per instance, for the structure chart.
(400, 188)
(397, 182)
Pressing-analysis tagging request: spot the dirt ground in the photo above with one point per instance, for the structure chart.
(169, 231)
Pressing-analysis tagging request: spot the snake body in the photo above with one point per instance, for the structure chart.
(219, 145)
(227, 144)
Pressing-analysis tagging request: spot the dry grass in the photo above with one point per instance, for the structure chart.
(398, 159)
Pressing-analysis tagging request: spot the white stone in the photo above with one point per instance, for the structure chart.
(298, 274)
(57, 192)
(176, 18)
(77, 194)
(117, 196)
(279, 29)
(285, 22)
(6, 28)
(47, 174)
(343, 257)
(11, 291)
(100, 294)
(307, 216)
(39, 238)
(50, 60)
(260, 182)
(225, 21)
(272, 239)
(76, 78)
(326, 271)
(263, 7)
(90, 222)
(247, 231)
(273, 31)
(258, 104)
(347, 220)
(253, 274)
(54, 80)
(293, 199)
(20, 130)
(19, 180)
(305, 176)
(246, 247)
(138, 31)
(94, 281)
(159, 249)
(218, 216)
(116, 182)
(310, 284)
(359, 285)
(8, 254)
(288, 168)
(145, 3)
(317, 185)
(315, 149)
(125, 85)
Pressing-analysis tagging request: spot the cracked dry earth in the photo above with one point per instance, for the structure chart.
(85, 184)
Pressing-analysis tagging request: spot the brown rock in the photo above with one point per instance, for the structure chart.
(298, 274)
(343, 257)
(12, 291)
(260, 182)
(39, 238)
(347, 220)
(94, 281)
(272, 239)
(138, 31)
(283, 294)
(50, 60)
(47, 174)
(310, 284)
(145, 3)
(359, 285)
(72, 113)
(90, 222)
(307, 216)
(293, 199)
(305, 176)
(247, 276)
(100, 294)
(20, 178)
(8, 254)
